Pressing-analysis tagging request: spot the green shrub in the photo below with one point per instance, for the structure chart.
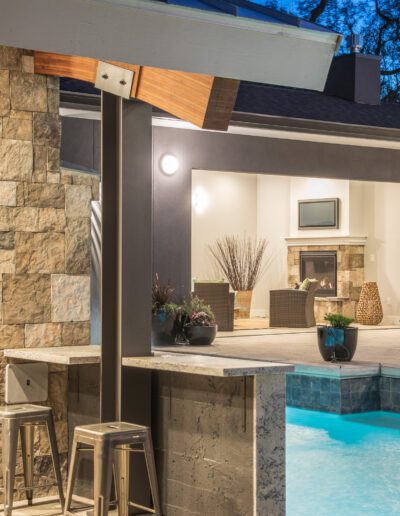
(338, 320)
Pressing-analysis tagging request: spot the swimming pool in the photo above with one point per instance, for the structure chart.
(343, 465)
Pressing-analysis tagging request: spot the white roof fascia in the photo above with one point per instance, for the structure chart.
(163, 35)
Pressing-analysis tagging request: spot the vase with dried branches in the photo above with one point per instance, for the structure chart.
(241, 261)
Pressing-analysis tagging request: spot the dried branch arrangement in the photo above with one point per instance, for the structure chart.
(240, 259)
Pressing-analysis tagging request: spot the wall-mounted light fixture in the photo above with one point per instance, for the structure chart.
(169, 164)
(200, 200)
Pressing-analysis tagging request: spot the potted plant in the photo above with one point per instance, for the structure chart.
(240, 260)
(199, 323)
(163, 314)
(338, 340)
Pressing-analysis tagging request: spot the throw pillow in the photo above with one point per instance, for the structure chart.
(305, 285)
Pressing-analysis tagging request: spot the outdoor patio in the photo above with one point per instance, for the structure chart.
(376, 345)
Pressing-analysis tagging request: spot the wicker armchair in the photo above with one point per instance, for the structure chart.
(221, 301)
(291, 308)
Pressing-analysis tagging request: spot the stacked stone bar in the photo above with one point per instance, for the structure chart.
(44, 231)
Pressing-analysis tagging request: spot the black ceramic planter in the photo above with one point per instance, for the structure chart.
(331, 346)
(162, 329)
(201, 335)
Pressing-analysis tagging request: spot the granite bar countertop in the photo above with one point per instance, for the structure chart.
(65, 355)
(205, 365)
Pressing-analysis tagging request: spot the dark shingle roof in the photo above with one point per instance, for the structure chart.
(248, 9)
(311, 105)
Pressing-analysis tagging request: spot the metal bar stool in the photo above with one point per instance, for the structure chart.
(23, 419)
(112, 444)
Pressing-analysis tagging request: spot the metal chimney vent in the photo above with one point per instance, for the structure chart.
(354, 42)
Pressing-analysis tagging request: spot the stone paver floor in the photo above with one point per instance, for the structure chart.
(376, 344)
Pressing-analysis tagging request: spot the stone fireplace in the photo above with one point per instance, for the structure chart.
(337, 262)
(321, 265)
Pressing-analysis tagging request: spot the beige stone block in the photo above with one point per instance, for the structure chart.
(17, 129)
(8, 193)
(28, 92)
(75, 333)
(20, 194)
(39, 176)
(53, 83)
(26, 219)
(40, 253)
(40, 157)
(65, 177)
(70, 298)
(42, 443)
(10, 58)
(4, 82)
(42, 335)
(77, 246)
(53, 159)
(11, 336)
(5, 104)
(44, 195)
(28, 64)
(53, 100)
(16, 160)
(53, 177)
(51, 219)
(26, 298)
(21, 115)
(7, 240)
(46, 129)
(78, 201)
(58, 393)
(7, 261)
(6, 218)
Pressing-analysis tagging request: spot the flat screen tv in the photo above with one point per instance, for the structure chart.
(319, 214)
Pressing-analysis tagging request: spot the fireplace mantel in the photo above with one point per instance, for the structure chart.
(322, 240)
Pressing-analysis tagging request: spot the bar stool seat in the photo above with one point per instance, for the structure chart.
(22, 419)
(112, 445)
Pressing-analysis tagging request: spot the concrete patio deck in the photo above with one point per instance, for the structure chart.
(376, 345)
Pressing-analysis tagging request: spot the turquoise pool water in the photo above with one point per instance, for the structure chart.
(343, 465)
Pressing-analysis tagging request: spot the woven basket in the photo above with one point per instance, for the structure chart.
(369, 308)
(243, 304)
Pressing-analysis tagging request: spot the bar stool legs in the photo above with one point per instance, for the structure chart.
(121, 474)
(27, 438)
(22, 420)
(10, 442)
(151, 471)
(51, 432)
(73, 469)
(103, 467)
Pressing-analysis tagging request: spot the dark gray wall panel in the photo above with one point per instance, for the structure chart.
(228, 152)
(80, 143)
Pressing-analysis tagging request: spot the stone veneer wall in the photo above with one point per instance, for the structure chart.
(350, 277)
(44, 233)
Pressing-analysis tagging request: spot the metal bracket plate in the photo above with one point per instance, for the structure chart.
(114, 79)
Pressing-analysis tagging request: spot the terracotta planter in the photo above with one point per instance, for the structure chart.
(243, 304)
(369, 308)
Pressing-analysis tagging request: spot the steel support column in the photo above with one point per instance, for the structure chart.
(126, 256)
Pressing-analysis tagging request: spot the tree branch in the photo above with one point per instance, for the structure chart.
(318, 10)
(391, 72)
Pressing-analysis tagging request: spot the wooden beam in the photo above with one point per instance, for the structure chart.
(203, 100)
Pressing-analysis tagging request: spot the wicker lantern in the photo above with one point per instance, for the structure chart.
(369, 308)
